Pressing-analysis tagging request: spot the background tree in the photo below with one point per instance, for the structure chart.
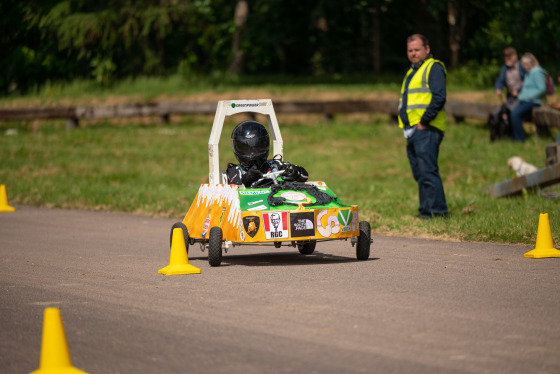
(53, 40)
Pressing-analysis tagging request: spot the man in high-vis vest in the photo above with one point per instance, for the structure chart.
(422, 118)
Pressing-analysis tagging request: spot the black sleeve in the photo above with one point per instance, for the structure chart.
(234, 174)
(436, 80)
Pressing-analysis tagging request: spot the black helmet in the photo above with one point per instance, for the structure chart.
(250, 143)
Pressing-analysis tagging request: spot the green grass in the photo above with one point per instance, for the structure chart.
(156, 170)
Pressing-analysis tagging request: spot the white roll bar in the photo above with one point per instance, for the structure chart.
(231, 107)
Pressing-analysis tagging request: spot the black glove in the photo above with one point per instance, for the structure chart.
(251, 176)
(291, 173)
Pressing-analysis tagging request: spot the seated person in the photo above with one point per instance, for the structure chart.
(532, 94)
(251, 144)
(511, 77)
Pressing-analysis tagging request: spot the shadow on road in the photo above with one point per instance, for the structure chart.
(281, 259)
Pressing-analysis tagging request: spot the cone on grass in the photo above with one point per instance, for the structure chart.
(178, 259)
(544, 247)
(4, 206)
(55, 357)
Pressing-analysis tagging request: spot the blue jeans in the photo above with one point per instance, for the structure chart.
(521, 111)
(422, 149)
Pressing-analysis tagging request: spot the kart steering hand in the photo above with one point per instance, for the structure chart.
(251, 176)
(268, 179)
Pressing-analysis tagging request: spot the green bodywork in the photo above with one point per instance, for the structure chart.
(256, 199)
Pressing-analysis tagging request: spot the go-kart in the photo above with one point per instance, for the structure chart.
(271, 212)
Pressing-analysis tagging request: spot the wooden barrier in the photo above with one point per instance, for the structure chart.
(30, 114)
(539, 179)
(543, 117)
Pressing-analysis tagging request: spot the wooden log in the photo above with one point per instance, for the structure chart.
(460, 110)
(115, 111)
(552, 154)
(187, 108)
(546, 117)
(539, 179)
(337, 106)
(29, 114)
(328, 108)
(543, 117)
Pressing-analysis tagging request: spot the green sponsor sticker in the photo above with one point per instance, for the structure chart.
(253, 199)
(345, 219)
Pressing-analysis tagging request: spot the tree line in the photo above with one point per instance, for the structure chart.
(54, 40)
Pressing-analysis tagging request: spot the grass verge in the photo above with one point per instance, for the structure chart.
(156, 170)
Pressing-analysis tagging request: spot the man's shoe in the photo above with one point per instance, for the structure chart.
(433, 215)
(424, 216)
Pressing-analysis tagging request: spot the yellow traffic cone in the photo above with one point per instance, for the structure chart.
(544, 247)
(4, 207)
(178, 260)
(55, 357)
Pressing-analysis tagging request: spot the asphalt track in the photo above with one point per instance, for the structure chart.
(417, 306)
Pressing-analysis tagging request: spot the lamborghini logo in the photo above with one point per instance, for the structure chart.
(251, 225)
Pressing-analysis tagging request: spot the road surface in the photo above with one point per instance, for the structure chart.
(417, 306)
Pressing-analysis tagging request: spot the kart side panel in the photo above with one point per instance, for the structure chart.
(245, 215)
(299, 225)
(214, 205)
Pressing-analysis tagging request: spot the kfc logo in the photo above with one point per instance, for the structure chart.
(275, 225)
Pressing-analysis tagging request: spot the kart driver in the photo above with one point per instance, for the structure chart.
(251, 144)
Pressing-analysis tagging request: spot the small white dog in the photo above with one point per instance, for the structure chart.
(521, 167)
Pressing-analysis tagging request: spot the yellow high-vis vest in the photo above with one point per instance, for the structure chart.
(420, 96)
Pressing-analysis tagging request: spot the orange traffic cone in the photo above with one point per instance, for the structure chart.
(544, 247)
(178, 260)
(55, 357)
(4, 207)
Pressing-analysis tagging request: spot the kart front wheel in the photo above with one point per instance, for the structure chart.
(215, 246)
(364, 241)
(180, 225)
(306, 248)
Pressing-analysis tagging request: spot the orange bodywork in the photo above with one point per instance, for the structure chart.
(219, 205)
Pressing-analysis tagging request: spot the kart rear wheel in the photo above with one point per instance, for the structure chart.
(180, 225)
(364, 241)
(306, 248)
(215, 246)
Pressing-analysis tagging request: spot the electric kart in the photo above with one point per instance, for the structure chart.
(272, 212)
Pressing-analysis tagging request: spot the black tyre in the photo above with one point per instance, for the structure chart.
(364, 241)
(306, 248)
(215, 246)
(180, 225)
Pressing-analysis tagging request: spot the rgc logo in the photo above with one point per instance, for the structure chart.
(275, 225)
